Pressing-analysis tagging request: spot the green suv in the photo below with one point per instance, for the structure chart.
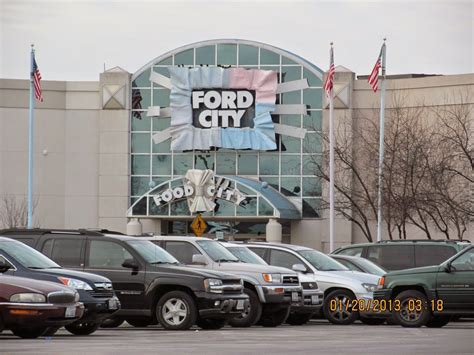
(405, 254)
(429, 295)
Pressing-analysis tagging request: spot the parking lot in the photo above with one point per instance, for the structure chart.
(315, 337)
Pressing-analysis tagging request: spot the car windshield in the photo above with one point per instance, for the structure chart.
(321, 261)
(216, 251)
(370, 267)
(27, 256)
(246, 255)
(152, 253)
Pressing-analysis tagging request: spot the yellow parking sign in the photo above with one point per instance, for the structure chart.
(199, 225)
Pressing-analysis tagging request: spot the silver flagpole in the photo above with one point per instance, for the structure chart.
(331, 167)
(30, 143)
(381, 145)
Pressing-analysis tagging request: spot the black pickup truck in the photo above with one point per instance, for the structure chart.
(151, 284)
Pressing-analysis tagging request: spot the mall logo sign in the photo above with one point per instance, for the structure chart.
(201, 189)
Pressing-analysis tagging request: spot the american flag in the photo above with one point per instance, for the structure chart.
(36, 76)
(374, 76)
(329, 83)
(137, 103)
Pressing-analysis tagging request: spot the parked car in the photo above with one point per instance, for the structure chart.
(416, 253)
(272, 291)
(356, 263)
(151, 284)
(95, 292)
(430, 295)
(312, 295)
(338, 283)
(29, 307)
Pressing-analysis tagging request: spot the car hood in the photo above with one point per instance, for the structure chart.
(357, 275)
(418, 270)
(14, 284)
(254, 268)
(334, 278)
(193, 271)
(80, 275)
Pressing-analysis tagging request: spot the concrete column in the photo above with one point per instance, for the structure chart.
(134, 227)
(273, 231)
(151, 225)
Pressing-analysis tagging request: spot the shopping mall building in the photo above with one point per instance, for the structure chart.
(226, 128)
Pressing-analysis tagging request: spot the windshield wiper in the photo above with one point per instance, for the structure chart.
(35, 267)
(227, 260)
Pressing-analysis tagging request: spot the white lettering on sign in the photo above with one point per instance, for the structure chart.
(176, 193)
(222, 107)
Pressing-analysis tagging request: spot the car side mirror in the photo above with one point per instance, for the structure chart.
(299, 268)
(130, 264)
(199, 259)
(447, 268)
(4, 267)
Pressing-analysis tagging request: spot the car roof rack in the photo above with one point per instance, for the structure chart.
(42, 231)
(103, 231)
(422, 241)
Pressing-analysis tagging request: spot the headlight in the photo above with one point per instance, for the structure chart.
(213, 285)
(272, 278)
(28, 298)
(370, 287)
(76, 284)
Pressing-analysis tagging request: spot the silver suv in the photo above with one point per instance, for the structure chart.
(312, 295)
(339, 284)
(272, 290)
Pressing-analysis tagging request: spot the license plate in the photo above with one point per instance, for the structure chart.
(70, 312)
(113, 304)
(240, 305)
(294, 297)
(315, 299)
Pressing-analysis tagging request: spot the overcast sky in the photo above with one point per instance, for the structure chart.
(73, 39)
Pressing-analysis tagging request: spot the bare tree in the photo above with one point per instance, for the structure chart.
(14, 211)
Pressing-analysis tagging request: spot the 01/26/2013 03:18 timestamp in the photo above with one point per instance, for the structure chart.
(370, 305)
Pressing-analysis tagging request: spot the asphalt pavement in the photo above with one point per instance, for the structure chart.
(316, 337)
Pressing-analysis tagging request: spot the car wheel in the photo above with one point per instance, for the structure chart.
(372, 321)
(51, 331)
(82, 328)
(274, 319)
(176, 310)
(413, 312)
(139, 323)
(299, 318)
(438, 321)
(251, 315)
(29, 333)
(336, 315)
(112, 323)
(209, 324)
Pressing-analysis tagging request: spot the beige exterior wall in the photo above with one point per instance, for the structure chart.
(82, 150)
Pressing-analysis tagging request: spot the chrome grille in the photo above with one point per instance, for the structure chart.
(102, 290)
(309, 285)
(291, 280)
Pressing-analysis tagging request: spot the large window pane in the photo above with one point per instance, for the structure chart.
(290, 73)
(140, 185)
(161, 164)
(312, 143)
(206, 55)
(224, 208)
(313, 98)
(161, 97)
(179, 208)
(291, 120)
(264, 208)
(248, 55)
(269, 57)
(143, 80)
(204, 161)
(313, 121)
(291, 186)
(141, 99)
(226, 54)
(269, 164)
(248, 207)
(140, 143)
(142, 124)
(160, 124)
(226, 164)
(181, 164)
(293, 97)
(140, 165)
(290, 164)
(290, 145)
(166, 61)
(247, 164)
(313, 80)
(311, 186)
(163, 147)
(311, 164)
(184, 58)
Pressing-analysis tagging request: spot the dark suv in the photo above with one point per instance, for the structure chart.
(405, 254)
(151, 284)
(95, 291)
